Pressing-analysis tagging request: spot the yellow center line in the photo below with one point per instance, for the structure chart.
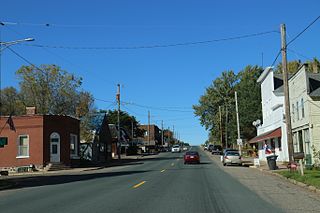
(163, 170)
(139, 184)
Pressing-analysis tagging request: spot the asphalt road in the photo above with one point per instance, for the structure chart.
(157, 184)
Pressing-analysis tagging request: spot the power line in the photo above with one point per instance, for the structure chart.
(153, 46)
(26, 60)
(275, 60)
(299, 54)
(305, 29)
(157, 108)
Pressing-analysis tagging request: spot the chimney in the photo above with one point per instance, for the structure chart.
(31, 110)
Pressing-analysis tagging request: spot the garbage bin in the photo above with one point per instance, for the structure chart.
(272, 163)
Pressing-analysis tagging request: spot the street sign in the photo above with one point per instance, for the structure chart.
(239, 142)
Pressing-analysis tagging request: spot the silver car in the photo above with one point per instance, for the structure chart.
(232, 158)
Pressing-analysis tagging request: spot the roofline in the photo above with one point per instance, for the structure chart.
(264, 74)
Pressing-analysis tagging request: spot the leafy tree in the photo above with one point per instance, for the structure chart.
(249, 100)
(55, 91)
(293, 66)
(220, 93)
(50, 89)
(126, 121)
(10, 102)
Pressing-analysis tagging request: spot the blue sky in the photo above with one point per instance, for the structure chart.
(170, 78)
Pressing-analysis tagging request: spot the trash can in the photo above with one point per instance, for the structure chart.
(272, 163)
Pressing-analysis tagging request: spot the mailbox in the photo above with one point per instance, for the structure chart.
(298, 155)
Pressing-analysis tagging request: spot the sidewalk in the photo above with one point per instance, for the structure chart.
(125, 160)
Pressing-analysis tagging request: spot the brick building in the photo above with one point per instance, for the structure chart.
(38, 140)
(152, 135)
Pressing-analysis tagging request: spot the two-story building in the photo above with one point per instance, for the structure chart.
(152, 136)
(304, 94)
(271, 132)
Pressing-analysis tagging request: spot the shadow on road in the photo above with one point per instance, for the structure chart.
(26, 182)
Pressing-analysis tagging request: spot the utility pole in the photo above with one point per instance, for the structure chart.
(148, 128)
(132, 131)
(162, 144)
(221, 131)
(119, 134)
(286, 91)
(173, 135)
(226, 127)
(239, 141)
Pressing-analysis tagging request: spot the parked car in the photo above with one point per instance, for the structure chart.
(232, 158)
(229, 149)
(217, 150)
(205, 148)
(210, 147)
(175, 148)
(191, 157)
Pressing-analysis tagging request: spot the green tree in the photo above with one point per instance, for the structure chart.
(249, 100)
(126, 121)
(10, 102)
(55, 91)
(219, 93)
(49, 88)
(292, 67)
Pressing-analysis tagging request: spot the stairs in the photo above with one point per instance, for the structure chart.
(56, 167)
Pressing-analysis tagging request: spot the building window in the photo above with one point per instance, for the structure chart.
(23, 146)
(279, 144)
(297, 111)
(273, 144)
(307, 140)
(292, 110)
(295, 142)
(302, 108)
(300, 139)
(73, 145)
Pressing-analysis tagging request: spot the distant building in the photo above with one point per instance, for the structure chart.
(125, 139)
(152, 136)
(99, 147)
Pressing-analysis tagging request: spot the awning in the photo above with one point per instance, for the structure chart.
(267, 135)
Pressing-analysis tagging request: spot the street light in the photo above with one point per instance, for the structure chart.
(9, 43)
(3, 46)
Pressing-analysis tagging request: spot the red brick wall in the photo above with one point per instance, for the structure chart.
(25, 125)
(39, 129)
(64, 126)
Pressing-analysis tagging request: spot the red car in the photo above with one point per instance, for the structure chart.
(191, 157)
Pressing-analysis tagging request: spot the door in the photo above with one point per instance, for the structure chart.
(55, 147)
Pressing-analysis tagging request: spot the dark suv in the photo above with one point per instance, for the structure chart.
(216, 150)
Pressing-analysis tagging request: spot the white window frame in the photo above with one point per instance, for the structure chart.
(76, 148)
(19, 147)
(302, 108)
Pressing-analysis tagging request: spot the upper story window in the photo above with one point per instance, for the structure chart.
(23, 146)
(302, 108)
(297, 111)
(292, 110)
